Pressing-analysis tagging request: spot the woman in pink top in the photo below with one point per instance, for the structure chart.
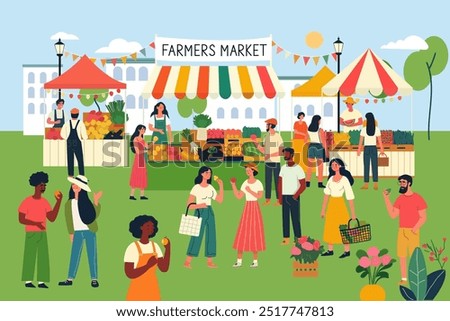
(138, 177)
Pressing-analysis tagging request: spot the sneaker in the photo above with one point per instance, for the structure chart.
(308, 184)
(320, 185)
(344, 255)
(254, 265)
(327, 253)
(42, 286)
(236, 265)
(29, 285)
(94, 283)
(132, 198)
(365, 186)
(144, 198)
(267, 202)
(65, 283)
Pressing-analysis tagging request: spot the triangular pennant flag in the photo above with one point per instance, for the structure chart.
(134, 55)
(325, 58)
(279, 49)
(63, 94)
(93, 60)
(66, 54)
(316, 60)
(124, 59)
(114, 61)
(88, 96)
(287, 54)
(306, 59)
(391, 99)
(273, 43)
(48, 91)
(103, 95)
(103, 62)
(334, 56)
(143, 52)
(152, 44)
(74, 57)
(296, 57)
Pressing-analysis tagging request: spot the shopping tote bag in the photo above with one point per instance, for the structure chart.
(190, 224)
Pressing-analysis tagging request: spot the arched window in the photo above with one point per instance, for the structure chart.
(43, 77)
(54, 93)
(131, 102)
(296, 85)
(143, 73)
(54, 75)
(262, 113)
(117, 73)
(42, 109)
(118, 97)
(30, 109)
(53, 106)
(328, 110)
(31, 78)
(248, 113)
(220, 113)
(31, 92)
(310, 110)
(234, 113)
(131, 73)
(42, 93)
(297, 109)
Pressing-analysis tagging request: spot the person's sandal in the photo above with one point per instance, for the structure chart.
(328, 253)
(212, 266)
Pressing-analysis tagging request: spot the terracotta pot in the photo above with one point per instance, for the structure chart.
(302, 270)
(372, 292)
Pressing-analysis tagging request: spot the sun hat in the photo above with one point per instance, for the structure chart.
(272, 121)
(251, 166)
(350, 100)
(80, 181)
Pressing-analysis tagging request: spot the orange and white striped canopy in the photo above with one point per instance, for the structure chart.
(213, 82)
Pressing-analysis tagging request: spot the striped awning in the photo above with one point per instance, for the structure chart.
(213, 82)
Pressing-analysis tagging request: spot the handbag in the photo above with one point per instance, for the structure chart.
(350, 235)
(190, 224)
(383, 161)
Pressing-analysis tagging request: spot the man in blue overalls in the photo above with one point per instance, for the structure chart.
(72, 131)
(56, 117)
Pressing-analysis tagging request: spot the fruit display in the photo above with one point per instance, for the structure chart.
(157, 152)
(249, 149)
(341, 139)
(215, 134)
(387, 137)
(233, 149)
(53, 133)
(187, 155)
(232, 133)
(97, 124)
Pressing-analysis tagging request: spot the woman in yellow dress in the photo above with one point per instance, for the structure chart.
(334, 209)
(299, 141)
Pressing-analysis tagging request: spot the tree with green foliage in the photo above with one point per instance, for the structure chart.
(90, 96)
(422, 65)
(187, 106)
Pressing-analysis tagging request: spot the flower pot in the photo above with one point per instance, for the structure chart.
(372, 292)
(305, 270)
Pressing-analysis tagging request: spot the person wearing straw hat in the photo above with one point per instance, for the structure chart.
(81, 220)
(351, 118)
(250, 233)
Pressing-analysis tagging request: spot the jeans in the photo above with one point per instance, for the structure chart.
(291, 209)
(208, 226)
(271, 169)
(370, 157)
(77, 247)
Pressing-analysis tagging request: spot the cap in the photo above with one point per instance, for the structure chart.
(74, 111)
(272, 121)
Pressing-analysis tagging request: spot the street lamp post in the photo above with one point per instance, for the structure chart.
(59, 47)
(338, 46)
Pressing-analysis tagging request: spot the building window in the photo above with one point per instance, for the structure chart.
(31, 78)
(296, 85)
(43, 77)
(143, 73)
(117, 73)
(42, 93)
(328, 110)
(31, 92)
(131, 73)
(131, 102)
(55, 93)
(248, 113)
(30, 109)
(220, 113)
(310, 110)
(53, 106)
(54, 75)
(262, 113)
(234, 113)
(297, 109)
(42, 109)
(143, 103)
(118, 97)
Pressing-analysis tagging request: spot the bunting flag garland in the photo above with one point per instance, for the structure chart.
(316, 60)
(71, 95)
(103, 61)
(383, 100)
(306, 59)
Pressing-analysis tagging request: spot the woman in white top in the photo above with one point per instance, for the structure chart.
(160, 125)
(202, 193)
(317, 150)
(370, 135)
(250, 233)
(334, 210)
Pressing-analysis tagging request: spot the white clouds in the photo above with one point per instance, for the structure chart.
(409, 43)
(64, 36)
(121, 46)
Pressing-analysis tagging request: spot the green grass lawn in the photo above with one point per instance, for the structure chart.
(168, 191)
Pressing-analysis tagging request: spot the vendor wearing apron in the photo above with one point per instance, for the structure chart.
(160, 125)
(58, 122)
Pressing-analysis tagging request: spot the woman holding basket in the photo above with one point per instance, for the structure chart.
(334, 210)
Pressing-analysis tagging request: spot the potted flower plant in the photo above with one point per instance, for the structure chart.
(202, 121)
(373, 265)
(305, 252)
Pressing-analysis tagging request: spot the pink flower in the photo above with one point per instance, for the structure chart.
(302, 239)
(425, 246)
(431, 253)
(364, 262)
(376, 261)
(445, 259)
(316, 245)
(441, 250)
(307, 246)
(373, 251)
(444, 239)
(431, 259)
(296, 251)
(386, 259)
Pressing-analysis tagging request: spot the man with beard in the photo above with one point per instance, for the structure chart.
(411, 208)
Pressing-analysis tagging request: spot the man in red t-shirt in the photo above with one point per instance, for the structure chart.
(34, 211)
(411, 208)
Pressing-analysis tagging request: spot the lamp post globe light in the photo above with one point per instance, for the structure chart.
(59, 47)
(338, 46)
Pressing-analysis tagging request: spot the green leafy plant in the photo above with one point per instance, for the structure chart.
(403, 137)
(249, 149)
(306, 249)
(202, 120)
(116, 110)
(249, 131)
(373, 264)
(186, 134)
(212, 150)
(354, 136)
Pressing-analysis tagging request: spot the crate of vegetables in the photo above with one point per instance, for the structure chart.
(247, 132)
(215, 135)
(232, 133)
(387, 137)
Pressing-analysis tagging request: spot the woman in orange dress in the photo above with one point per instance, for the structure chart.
(299, 141)
(141, 259)
(138, 177)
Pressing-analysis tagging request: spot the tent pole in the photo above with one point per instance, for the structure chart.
(292, 121)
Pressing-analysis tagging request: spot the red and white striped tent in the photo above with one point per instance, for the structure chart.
(367, 73)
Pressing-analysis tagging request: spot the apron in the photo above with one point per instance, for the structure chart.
(160, 124)
(144, 287)
(55, 118)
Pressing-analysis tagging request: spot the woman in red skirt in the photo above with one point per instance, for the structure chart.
(138, 178)
(250, 233)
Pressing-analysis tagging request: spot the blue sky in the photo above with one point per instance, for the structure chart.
(361, 25)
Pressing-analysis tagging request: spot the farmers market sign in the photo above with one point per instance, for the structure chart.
(190, 50)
